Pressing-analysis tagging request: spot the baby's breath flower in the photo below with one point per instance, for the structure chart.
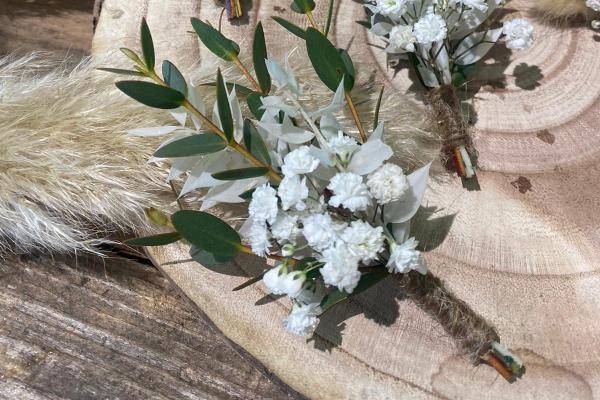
(343, 146)
(292, 191)
(390, 8)
(263, 206)
(429, 29)
(299, 161)
(279, 281)
(480, 5)
(593, 4)
(363, 240)
(320, 231)
(519, 34)
(388, 183)
(285, 228)
(303, 319)
(258, 236)
(401, 39)
(341, 267)
(349, 191)
(406, 257)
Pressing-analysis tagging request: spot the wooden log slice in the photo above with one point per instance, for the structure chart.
(522, 251)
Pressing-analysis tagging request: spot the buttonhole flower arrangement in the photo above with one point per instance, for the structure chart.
(442, 39)
(327, 208)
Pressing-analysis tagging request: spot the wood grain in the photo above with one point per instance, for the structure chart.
(522, 251)
(88, 329)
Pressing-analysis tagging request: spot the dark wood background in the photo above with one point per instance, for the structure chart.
(90, 328)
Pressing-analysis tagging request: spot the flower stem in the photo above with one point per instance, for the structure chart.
(354, 111)
(215, 129)
(311, 19)
(247, 74)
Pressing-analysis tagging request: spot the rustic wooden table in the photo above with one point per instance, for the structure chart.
(86, 328)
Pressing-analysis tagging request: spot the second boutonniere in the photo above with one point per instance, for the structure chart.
(442, 39)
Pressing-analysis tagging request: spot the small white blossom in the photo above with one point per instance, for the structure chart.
(401, 39)
(320, 231)
(593, 4)
(279, 281)
(285, 228)
(429, 29)
(292, 191)
(303, 319)
(258, 236)
(363, 240)
(519, 34)
(480, 5)
(341, 267)
(349, 191)
(343, 146)
(390, 8)
(263, 206)
(299, 161)
(406, 257)
(388, 183)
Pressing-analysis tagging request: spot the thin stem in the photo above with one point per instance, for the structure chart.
(311, 19)
(179, 203)
(354, 111)
(215, 129)
(492, 360)
(247, 74)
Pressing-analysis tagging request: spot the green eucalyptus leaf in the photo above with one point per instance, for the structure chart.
(173, 77)
(207, 259)
(224, 108)
(122, 71)
(240, 173)
(131, 55)
(207, 232)
(147, 45)
(214, 40)
(347, 63)
(259, 54)
(247, 195)
(295, 29)
(151, 94)
(377, 108)
(366, 281)
(329, 17)
(254, 104)
(327, 61)
(254, 142)
(302, 6)
(205, 143)
(155, 240)
(240, 89)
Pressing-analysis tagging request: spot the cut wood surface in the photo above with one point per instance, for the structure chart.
(114, 329)
(522, 251)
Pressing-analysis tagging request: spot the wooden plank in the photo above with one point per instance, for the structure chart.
(114, 329)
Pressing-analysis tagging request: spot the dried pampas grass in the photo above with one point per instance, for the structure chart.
(69, 175)
(561, 9)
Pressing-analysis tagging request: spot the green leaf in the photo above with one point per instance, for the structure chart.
(247, 195)
(240, 173)
(151, 94)
(347, 63)
(207, 259)
(131, 55)
(254, 142)
(329, 17)
(194, 145)
(254, 104)
(122, 71)
(303, 6)
(147, 45)
(158, 217)
(214, 40)
(240, 89)
(207, 232)
(156, 240)
(295, 29)
(223, 106)
(259, 54)
(366, 281)
(327, 61)
(250, 281)
(173, 77)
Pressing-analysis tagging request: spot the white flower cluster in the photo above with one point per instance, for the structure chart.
(333, 212)
(442, 34)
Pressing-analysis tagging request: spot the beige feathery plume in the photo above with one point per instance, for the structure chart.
(561, 9)
(70, 176)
